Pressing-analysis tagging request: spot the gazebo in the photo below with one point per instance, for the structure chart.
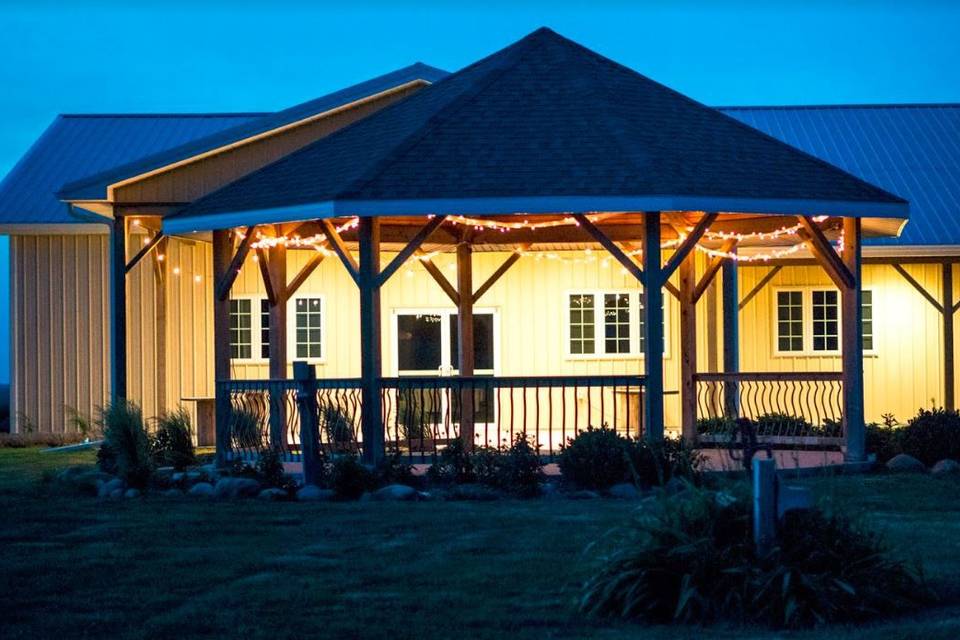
(544, 145)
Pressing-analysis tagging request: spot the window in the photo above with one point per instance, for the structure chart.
(309, 316)
(808, 321)
(604, 323)
(582, 323)
(264, 328)
(616, 322)
(641, 337)
(241, 329)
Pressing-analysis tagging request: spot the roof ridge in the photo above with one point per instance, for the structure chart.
(853, 105)
(196, 114)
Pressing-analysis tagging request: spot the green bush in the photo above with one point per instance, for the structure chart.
(349, 479)
(716, 426)
(173, 440)
(245, 429)
(336, 425)
(454, 464)
(126, 450)
(883, 441)
(596, 458)
(393, 470)
(270, 467)
(782, 424)
(692, 560)
(656, 463)
(932, 435)
(521, 472)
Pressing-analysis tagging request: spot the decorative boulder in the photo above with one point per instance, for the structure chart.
(236, 488)
(903, 463)
(272, 493)
(201, 489)
(83, 479)
(624, 491)
(313, 493)
(131, 493)
(107, 488)
(945, 467)
(208, 471)
(173, 493)
(583, 495)
(395, 492)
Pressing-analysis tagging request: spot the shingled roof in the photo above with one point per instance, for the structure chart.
(544, 125)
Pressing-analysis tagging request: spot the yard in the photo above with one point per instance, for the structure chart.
(75, 567)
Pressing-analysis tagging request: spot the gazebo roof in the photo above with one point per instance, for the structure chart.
(542, 126)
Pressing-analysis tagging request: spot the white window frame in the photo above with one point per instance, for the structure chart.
(255, 343)
(446, 356)
(292, 328)
(806, 303)
(599, 332)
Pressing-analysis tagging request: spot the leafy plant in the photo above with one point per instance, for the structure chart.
(454, 464)
(715, 426)
(656, 463)
(692, 560)
(245, 428)
(521, 472)
(173, 440)
(126, 450)
(782, 424)
(349, 478)
(596, 458)
(81, 423)
(336, 425)
(270, 467)
(932, 435)
(883, 440)
(393, 470)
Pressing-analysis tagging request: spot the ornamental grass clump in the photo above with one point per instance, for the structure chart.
(126, 450)
(173, 440)
(691, 559)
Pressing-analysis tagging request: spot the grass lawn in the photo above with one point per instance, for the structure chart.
(74, 567)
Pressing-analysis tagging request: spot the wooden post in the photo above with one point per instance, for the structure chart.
(764, 505)
(277, 268)
(652, 328)
(118, 308)
(731, 336)
(949, 390)
(465, 339)
(851, 314)
(222, 246)
(688, 349)
(306, 377)
(368, 235)
(160, 320)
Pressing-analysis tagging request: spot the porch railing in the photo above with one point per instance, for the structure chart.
(422, 415)
(802, 409)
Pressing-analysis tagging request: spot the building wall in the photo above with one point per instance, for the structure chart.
(60, 342)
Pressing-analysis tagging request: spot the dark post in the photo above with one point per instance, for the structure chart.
(118, 308)
(851, 315)
(688, 349)
(222, 246)
(368, 235)
(731, 336)
(949, 401)
(465, 341)
(764, 504)
(652, 328)
(306, 377)
(277, 267)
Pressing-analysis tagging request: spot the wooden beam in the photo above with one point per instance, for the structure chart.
(669, 286)
(688, 244)
(949, 371)
(371, 364)
(225, 281)
(160, 324)
(276, 275)
(340, 248)
(147, 248)
(221, 346)
(410, 248)
(919, 287)
(652, 330)
(731, 334)
(824, 253)
(688, 350)
(118, 309)
(495, 276)
(263, 264)
(440, 279)
(465, 340)
(712, 268)
(757, 288)
(304, 273)
(851, 321)
(611, 247)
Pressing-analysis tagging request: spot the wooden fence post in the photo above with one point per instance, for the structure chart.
(764, 505)
(306, 376)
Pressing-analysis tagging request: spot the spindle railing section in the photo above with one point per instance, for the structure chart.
(784, 409)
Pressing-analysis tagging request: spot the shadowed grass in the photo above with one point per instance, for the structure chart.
(166, 568)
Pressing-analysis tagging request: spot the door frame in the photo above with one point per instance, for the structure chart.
(445, 353)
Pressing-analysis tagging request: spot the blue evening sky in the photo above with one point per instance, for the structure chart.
(174, 56)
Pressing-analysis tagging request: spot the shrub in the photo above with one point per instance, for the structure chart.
(883, 441)
(596, 458)
(270, 467)
(932, 435)
(336, 425)
(520, 470)
(656, 463)
(692, 560)
(81, 423)
(349, 478)
(245, 428)
(782, 424)
(173, 440)
(716, 426)
(393, 470)
(126, 450)
(487, 465)
(454, 464)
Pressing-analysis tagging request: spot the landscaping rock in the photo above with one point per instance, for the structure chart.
(201, 489)
(624, 491)
(903, 463)
(313, 493)
(116, 494)
(131, 493)
(478, 492)
(395, 492)
(426, 496)
(190, 477)
(178, 477)
(107, 488)
(550, 490)
(172, 493)
(945, 467)
(208, 471)
(583, 495)
(84, 479)
(272, 493)
(230, 488)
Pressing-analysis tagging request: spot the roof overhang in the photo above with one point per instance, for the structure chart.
(881, 219)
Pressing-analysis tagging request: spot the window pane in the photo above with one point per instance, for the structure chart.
(616, 322)
(482, 340)
(866, 303)
(241, 336)
(789, 321)
(418, 342)
(309, 322)
(826, 327)
(581, 323)
(265, 329)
